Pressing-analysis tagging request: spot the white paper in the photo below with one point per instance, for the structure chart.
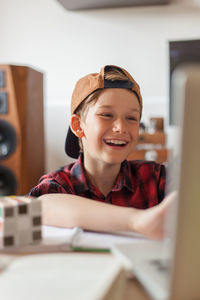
(58, 239)
(56, 235)
(100, 240)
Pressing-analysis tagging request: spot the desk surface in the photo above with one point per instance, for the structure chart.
(119, 285)
(134, 290)
(104, 277)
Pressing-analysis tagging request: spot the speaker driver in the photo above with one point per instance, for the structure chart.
(8, 139)
(8, 183)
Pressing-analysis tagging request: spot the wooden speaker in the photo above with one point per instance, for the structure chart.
(21, 129)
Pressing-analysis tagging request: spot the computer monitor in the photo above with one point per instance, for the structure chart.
(181, 52)
(170, 269)
(186, 266)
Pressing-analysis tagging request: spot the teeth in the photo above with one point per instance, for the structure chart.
(116, 142)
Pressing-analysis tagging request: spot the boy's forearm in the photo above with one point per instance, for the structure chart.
(67, 210)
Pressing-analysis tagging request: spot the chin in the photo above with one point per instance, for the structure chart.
(114, 160)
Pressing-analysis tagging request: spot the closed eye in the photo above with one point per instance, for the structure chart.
(133, 119)
(106, 115)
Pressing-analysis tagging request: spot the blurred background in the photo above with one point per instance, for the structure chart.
(65, 45)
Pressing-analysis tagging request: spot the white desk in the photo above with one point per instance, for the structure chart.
(62, 276)
(73, 276)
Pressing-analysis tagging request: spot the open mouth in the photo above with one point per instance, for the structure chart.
(116, 143)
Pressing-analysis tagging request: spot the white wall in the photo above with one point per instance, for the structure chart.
(66, 45)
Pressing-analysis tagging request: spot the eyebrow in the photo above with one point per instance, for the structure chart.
(110, 106)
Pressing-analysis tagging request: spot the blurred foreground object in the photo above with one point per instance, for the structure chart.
(20, 221)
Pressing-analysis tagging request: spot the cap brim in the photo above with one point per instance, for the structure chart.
(71, 144)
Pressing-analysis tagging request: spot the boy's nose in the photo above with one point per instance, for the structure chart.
(119, 126)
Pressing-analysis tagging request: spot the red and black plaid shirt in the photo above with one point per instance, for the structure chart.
(140, 184)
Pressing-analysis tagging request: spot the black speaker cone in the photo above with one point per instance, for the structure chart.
(8, 139)
(8, 183)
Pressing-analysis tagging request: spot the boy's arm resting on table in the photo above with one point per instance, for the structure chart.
(66, 210)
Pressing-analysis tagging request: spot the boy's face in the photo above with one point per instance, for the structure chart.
(111, 126)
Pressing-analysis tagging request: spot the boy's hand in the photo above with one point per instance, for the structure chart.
(65, 210)
(151, 221)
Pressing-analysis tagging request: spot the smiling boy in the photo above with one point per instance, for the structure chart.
(106, 109)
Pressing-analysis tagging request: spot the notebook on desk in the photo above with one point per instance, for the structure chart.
(172, 271)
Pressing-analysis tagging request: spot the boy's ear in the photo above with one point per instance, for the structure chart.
(75, 125)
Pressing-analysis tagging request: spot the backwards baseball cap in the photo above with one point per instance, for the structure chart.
(85, 87)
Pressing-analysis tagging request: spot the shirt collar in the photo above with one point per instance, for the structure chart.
(78, 172)
(123, 179)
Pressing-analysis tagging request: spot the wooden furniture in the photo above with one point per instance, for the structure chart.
(21, 129)
(161, 155)
(152, 145)
(134, 290)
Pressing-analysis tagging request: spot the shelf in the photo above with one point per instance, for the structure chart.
(162, 155)
(158, 137)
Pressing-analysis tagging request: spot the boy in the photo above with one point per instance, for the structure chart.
(106, 110)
